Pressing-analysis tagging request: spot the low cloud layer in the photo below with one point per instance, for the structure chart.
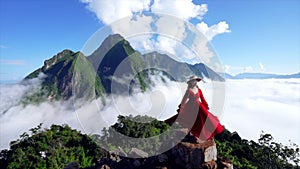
(251, 106)
(11, 94)
(270, 105)
(88, 117)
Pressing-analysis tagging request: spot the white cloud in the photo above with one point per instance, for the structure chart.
(11, 95)
(212, 31)
(109, 11)
(88, 117)
(19, 119)
(248, 69)
(261, 66)
(143, 43)
(132, 27)
(218, 68)
(201, 46)
(227, 68)
(183, 9)
(234, 70)
(12, 62)
(166, 44)
(271, 105)
(168, 41)
(251, 106)
(176, 49)
(174, 27)
(166, 17)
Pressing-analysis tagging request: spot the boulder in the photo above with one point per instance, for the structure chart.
(72, 165)
(224, 163)
(137, 153)
(194, 155)
(187, 152)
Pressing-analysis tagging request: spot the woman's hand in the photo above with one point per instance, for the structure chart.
(180, 107)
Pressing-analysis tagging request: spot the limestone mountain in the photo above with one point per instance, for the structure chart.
(114, 67)
(116, 63)
(68, 73)
(179, 71)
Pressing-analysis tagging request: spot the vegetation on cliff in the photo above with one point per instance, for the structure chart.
(59, 145)
(51, 148)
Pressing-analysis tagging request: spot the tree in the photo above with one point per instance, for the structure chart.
(250, 154)
(136, 127)
(51, 148)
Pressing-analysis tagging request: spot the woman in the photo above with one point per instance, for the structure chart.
(194, 108)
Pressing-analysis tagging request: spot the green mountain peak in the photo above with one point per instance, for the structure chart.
(115, 58)
(114, 67)
(67, 74)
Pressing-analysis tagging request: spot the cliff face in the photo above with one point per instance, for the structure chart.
(59, 57)
(67, 74)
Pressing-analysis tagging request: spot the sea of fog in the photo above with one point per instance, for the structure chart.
(249, 107)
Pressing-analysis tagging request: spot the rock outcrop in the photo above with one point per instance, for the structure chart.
(190, 156)
(185, 155)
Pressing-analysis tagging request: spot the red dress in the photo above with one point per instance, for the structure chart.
(194, 115)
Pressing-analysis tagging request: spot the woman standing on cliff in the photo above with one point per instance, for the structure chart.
(194, 108)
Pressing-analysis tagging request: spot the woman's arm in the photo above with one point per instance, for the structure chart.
(184, 99)
(203, 101)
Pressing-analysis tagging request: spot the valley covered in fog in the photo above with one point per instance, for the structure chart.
(250, 107)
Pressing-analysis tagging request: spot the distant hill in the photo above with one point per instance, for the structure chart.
(179, 71)
(261, 76)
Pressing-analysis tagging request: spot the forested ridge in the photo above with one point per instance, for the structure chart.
(58, 145)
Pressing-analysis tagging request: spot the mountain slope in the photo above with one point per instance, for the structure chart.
(115, 60)
(114, 67)
(201, 70)
(179, 71)
(68, 73)
(161, 62)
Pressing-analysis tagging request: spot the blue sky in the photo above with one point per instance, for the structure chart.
(264, 35)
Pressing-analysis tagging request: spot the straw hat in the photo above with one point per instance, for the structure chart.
(198, 79)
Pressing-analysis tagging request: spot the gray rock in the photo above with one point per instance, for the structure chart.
(136, 153)
(116, 155)
(162, 158)
(136, 163)
(194, 155)
(224, 163)
(72, 165)
(210, 153)
(105, 166)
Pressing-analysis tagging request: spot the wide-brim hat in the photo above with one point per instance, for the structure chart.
(198, 79)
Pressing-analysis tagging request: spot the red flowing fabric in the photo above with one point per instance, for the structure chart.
(206, 125)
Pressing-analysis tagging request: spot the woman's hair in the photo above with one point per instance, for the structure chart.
(190, 85)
